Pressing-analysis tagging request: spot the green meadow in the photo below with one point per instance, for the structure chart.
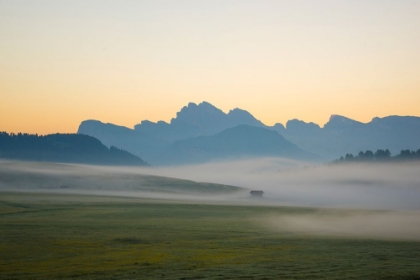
(50, 236)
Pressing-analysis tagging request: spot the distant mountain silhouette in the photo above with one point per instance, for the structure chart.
(148, 139)
(136, 142)
(195, 120)
(210, 120)
(242, 141)
(339, 136)
(69, 148)
(342, 135)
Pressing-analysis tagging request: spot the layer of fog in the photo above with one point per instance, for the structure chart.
(394, 188)
(74, 179)
(284, 182)
(390, 225)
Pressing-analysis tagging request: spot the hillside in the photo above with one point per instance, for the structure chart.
(242, 141)
(72, 148)
(36, 176)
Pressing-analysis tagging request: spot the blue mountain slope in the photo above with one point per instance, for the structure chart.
(148, 139)
(242, 141)
(339, 136)
(342, 135)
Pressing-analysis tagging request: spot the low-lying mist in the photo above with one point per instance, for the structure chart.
(386, 225)
(107, 181)
(375, 201)
(379, 201)
(284, 182)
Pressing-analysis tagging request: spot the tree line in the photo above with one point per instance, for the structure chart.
(72, 148)
(380, 156)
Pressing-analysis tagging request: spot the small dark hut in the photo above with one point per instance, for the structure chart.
(256, 193)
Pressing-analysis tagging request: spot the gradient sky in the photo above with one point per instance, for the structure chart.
(62, 62)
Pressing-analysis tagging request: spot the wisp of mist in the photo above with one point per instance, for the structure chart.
(371, 200)
(391, 193)
(287, 182)
(284, 182)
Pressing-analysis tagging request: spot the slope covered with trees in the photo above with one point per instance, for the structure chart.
(71, 148)
(380, 156)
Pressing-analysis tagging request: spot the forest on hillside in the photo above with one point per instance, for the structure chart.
(380, 156)
(70, 148)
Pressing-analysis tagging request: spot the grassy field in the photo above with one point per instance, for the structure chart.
(45, 236)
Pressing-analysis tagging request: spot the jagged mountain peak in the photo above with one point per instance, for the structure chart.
(237, 110)
(238, 116)
(338, 121)
(91, 121)
(296, 123)
(339, 135)
(239, 113)
(200, 106)
(209, 119)
(340, 118)
(88, 125)
(395, 117)
(147, 123)
(206, 104)
(192, 111)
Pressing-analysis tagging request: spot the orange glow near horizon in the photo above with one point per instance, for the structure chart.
(65, 62)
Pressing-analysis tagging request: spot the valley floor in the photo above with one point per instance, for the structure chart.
(46, 236)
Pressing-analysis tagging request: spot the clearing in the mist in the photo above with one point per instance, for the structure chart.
(45, 236)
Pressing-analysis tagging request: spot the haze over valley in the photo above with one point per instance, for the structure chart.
(239, 139)
(204, 144)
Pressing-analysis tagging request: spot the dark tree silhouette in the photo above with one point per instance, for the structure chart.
(349, 157)
(75, 148)
(380, 156)
(369, 155)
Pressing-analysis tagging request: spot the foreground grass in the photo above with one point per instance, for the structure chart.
(46, 236)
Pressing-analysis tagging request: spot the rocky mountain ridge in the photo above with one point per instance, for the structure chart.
(338, 136)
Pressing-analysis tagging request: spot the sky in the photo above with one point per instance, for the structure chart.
(62, 62)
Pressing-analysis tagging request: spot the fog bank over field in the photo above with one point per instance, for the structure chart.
(287, 182)
(106, 181)
(377, 201)
(284, 182)
(392, 190)
(389, 225)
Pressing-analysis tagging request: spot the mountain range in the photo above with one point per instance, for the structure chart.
(341, 135)
(242, 141)
(202, 133)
